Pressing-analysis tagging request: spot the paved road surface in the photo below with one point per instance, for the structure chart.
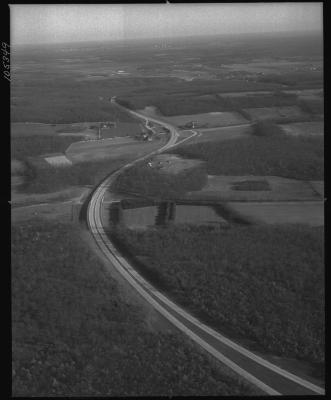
(258, 371)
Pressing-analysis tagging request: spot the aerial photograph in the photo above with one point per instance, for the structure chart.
(167, 199)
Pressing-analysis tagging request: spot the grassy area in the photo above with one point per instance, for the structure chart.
(74, 335)
(289, 157)
(30, 146)
(147, 181)
(251, 185)
(265, 284)
(266, 128)
(275, 99)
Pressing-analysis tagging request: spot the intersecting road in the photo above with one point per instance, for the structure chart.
(270, 378)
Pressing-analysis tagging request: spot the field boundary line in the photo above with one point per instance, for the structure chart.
(142, 286)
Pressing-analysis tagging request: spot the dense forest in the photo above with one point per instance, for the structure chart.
(74, 335)
(259, 284)
(285, 156)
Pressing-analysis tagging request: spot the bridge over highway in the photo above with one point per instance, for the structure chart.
(270, 378)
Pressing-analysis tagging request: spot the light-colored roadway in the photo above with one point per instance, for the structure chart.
(268, 377)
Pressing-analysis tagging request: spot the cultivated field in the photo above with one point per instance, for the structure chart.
(75, 193)
(52, 211)
(122, 129)
(19, 129)
(255, 188)
(144, 217)
(212, 119)
(58, 161)
(310, 213)
(275, 113)
(110, 148)
(220, 134)
(172, 164)
(274, 66)
(307, 93)
(304, 128)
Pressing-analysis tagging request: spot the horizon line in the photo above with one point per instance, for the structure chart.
(299, 32)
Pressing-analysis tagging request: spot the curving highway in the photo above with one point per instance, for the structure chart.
(268, 377)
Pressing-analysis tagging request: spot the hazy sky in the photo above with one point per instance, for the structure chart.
(70, 23)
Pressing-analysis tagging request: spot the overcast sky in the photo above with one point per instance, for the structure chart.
(70, 23)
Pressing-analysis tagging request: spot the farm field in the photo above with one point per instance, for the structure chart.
(276, 113)
(172, 164)
(21, 129)
(310, 213)
(220, 134)
(53, 211)
(318, 186)
(212, 119)
(58, 161)
(122, 129)
(145, 217)
(75, 193)
(110, 148)
(304, 128)
(243, 250)
(275, 189)
(280, 66)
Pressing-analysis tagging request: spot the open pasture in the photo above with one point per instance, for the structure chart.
(212, 119)
(20, 129)
(256, 188)
(304, 128)
(247, 93)
(276, 113)
(280, 66)
(310, 213)
(307, 93)
(172, 164)
(220, 134)
(109, 148)
(121, 129)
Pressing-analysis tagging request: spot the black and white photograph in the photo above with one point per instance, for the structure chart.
(166, 199)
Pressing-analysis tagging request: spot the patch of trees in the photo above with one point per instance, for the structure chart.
(42, 177)
(146, 181)
(280, 155)
(30, 146)
(266, 128)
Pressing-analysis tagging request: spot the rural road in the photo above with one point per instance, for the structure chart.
(268, 377)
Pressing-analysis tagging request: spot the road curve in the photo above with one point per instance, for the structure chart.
(270, 378)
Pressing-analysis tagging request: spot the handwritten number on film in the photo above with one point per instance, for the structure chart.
(5, 60)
